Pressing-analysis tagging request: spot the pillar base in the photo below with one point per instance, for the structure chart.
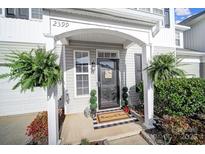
(148, 126)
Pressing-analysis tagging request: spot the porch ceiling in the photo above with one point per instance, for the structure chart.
(98, 37)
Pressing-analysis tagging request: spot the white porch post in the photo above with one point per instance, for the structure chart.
(53, 134)
(52, 105)
(148, 88)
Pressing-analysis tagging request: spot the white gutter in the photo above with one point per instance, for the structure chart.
(181, 27)
(130, 14)
(189, 52)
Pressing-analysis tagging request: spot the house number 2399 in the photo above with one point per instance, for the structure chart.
(60, 24)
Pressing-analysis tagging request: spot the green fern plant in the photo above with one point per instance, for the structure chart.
(165, 66)
(36, 68)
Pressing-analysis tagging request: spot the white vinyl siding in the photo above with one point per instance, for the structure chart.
(81, 60)
(128, 70)
(191, 65)
(194, 37)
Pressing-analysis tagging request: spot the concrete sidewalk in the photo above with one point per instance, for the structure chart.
(130, 140)
(13, 129)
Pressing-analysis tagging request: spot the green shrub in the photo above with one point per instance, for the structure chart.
(85, 142)
(93, 92)
(124, 101)
(139, 89)
(125, 89)
(178, 96)
(93, 100)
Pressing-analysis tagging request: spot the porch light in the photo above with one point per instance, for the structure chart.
(93, 66)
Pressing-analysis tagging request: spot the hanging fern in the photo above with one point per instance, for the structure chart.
(36, 68)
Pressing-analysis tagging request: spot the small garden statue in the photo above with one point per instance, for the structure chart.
(93, 104)
(125, 100)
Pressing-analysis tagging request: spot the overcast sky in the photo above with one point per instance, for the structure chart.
(183, 13)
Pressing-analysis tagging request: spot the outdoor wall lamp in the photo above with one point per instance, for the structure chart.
(93, 66)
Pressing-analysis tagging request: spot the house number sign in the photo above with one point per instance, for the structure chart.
(59, 23)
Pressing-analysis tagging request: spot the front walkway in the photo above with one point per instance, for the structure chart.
(130, 140)
(77, 127)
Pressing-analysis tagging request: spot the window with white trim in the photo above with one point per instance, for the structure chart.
(102, 54)
(145, 9)
(158, 11)
(82, 72)
(19, 13)
(177, 36)
(36, 13)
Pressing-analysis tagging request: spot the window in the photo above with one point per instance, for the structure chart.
(166, 18)
(177, 35)
(82, 72)
(0, 11)
(102, 54)
(36, 13)
(145, 9)
(21, 13)
(157, 11)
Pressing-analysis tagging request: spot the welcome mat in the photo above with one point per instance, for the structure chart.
(111, 116)
(119, 120)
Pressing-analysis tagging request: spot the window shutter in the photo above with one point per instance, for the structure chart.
(23, 13)
(0, 10)
(166, 18)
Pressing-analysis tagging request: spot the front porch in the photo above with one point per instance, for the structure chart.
(82, 51)
(77, 127)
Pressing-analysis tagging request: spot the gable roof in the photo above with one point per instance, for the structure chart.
(193, 19)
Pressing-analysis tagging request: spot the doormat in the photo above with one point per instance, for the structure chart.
(111, 116)
(109, 120)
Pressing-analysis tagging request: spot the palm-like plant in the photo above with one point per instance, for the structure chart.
(165, 66)
(36, 68)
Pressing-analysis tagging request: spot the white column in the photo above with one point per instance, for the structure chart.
(148, 88)
(65, 93)
(53, 130)
(52, 105)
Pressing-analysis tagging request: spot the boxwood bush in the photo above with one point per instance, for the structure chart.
(179, 96)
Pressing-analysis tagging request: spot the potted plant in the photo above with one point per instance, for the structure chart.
(125, 100)
(93, 104)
